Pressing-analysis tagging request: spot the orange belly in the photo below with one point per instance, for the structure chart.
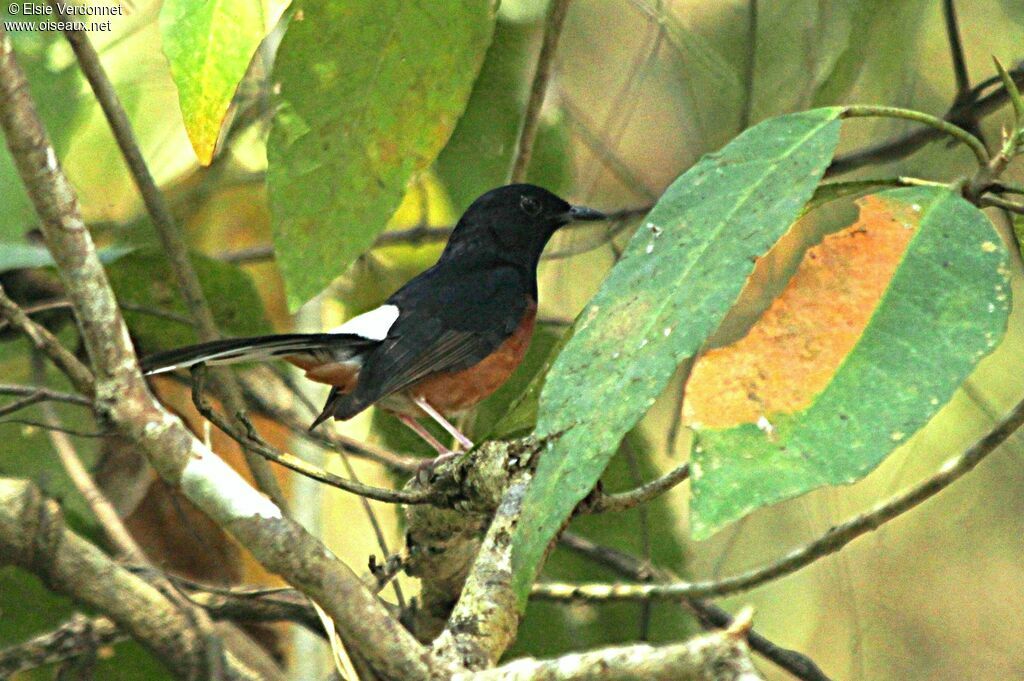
(453, 392)
(448, 392)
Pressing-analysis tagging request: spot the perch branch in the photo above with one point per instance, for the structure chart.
(253, 442)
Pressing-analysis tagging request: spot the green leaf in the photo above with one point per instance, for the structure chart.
(370, 92)
(144, 281)
(652, 533)
(209, 46)
(945, 308)
(679, 275)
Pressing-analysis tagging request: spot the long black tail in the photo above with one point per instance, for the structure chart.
(324, 347)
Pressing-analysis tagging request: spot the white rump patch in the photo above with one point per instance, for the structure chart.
(373, 325)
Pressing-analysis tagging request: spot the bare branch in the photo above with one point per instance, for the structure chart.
(252, 441)
(631, 567)
(33, 536)
(623, 501)
(484, 621)
(33, 394)
(539, 88)
(78, 636)
(956, 51)
(47, 343)
(901, 146)
(117, 534)
(167, 229)
(721, 656)
(832, 541)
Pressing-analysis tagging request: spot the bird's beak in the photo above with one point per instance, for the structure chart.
(584, 213)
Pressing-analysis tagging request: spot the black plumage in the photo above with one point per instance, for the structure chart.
(449, 318)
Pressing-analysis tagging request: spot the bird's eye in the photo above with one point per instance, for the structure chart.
(530, 205)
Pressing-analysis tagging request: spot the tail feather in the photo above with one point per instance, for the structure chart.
(257, 348)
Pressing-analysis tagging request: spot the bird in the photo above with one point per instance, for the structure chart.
(441, 343)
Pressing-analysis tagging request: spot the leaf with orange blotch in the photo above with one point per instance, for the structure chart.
(876, 330)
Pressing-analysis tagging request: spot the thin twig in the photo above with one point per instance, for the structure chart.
(956, 51)
(901, 146)
(252, 441)
(989, 200)
(37, 393)
(538, 89)
(940, 125)
(329, 439)
(749, 66)
(43, 340)
(167, 229)
(796, 663)
(378, 531)
(832, 541)
(623, 501)
(117, 534)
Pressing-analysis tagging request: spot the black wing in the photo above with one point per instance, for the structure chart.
(448, 321)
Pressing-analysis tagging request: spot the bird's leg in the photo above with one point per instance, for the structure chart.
(417, 428)
(466, 443)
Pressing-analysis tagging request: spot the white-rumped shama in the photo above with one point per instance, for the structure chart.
(444, 341)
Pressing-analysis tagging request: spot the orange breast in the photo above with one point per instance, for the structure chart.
(457, 391)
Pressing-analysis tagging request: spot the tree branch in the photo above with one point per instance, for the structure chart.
(631, 567)
(722, 656)
(485, 619)
(251, 440)
(167, 229)
(33, 536)
(832, 541)
(47, 343)
(976, 106)
(623, 501)
(539, 88)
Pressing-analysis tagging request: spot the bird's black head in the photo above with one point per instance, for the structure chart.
(514, 222)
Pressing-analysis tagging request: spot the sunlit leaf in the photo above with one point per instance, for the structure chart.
(209, 46)
(678, 277)
(370, 92)
(880, 325)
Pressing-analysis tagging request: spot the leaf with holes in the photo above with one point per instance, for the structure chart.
(876, 330)
(678, 277)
